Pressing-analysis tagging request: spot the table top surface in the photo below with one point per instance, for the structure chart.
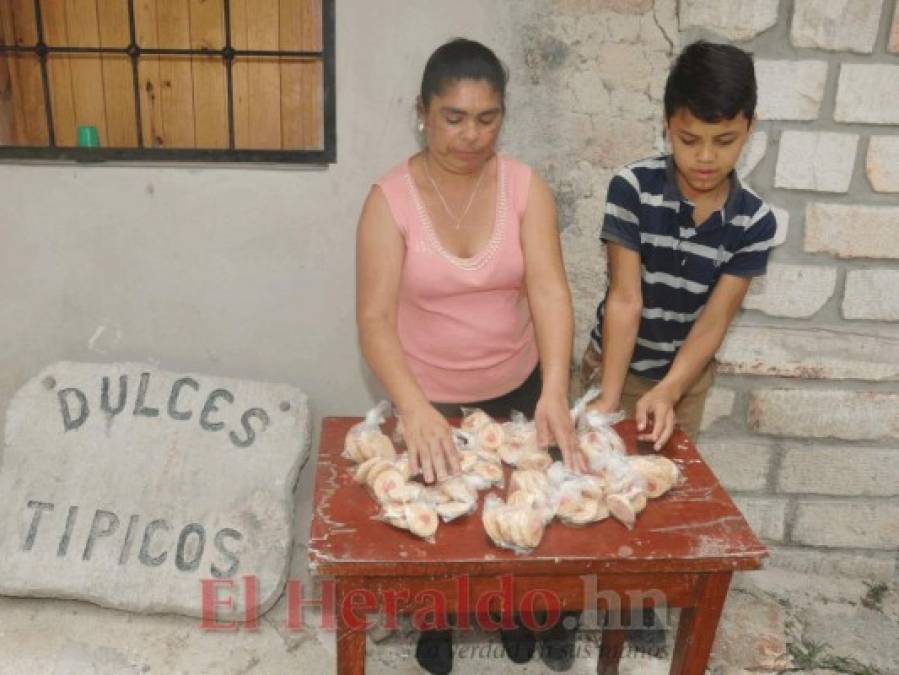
(693, 528)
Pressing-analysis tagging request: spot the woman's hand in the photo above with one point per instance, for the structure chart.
(429, 441)
(552, 420)
(658, 403)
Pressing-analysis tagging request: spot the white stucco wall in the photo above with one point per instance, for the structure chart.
(243, 271)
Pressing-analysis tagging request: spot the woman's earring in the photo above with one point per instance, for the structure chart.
(421, 127)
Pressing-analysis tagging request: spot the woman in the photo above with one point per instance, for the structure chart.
(461, 294)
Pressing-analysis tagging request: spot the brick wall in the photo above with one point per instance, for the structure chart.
(803, 424)
(810, 447)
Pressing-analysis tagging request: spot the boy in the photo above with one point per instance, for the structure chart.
(684, 237)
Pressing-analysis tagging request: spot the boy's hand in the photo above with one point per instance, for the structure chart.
(603, 405)
(656, 405)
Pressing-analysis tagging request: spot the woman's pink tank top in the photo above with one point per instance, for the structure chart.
(464, 323)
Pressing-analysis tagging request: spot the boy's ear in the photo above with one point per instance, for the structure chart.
(752, 124)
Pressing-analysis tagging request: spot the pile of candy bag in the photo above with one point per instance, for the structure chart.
(539, 491)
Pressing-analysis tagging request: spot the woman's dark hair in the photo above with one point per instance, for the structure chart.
(713, 81)
(462, 59)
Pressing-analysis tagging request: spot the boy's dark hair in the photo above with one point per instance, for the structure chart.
(713, 81)
(462, 59)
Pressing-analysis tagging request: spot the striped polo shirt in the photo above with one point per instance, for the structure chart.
(681, 262)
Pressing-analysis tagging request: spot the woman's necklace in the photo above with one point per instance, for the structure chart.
(457, 220)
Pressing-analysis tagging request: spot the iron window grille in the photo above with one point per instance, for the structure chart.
(328, 153)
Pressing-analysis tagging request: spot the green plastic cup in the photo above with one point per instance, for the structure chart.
(88, 137)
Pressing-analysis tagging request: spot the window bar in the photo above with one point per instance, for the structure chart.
(42, 51)
(134, 53)
(328, 27)
(228, 54)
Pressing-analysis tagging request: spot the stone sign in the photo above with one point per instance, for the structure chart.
(138, 488)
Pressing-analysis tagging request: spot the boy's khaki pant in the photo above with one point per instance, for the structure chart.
(688, 410)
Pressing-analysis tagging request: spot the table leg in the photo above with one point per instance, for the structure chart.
(698, 624)
(610, 650)
(350, 640)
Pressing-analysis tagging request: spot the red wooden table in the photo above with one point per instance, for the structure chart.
(682, 553)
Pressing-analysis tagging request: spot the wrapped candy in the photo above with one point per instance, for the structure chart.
(458, 490)
(474, 419)
(596, 438)
(491, 437)
(419, 517)
(530, 480)
(624, 486)
(659, 473)
(486, 433)
(449, 511)
(516, 527)
(404, 504)
(384, 483)
(532, 487)
(521, 448)
(539, 461)
(481, 468)
(484, 475)
(453, 498)
(595, 434)
(581, 497)
(367, 471)
(625, 506)
(366, 440)
(386, 480)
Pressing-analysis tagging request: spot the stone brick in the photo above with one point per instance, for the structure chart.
(852, 231)
(882, 165)
(815, 160)
(719, 404)
(849, 415)
(740, 463)
(790, 90)
(846, 470)
(868, 93)
(737, 20)
(810, 353)
(753, 153)
(836, 25)
(871, 294)
(872, 565)
(765, 515)
(592, 6)
(893, 44)
(847, 524)
(795, 291)
(782, 216)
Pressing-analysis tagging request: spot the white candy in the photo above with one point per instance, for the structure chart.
(422, 519)
(475, 420)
